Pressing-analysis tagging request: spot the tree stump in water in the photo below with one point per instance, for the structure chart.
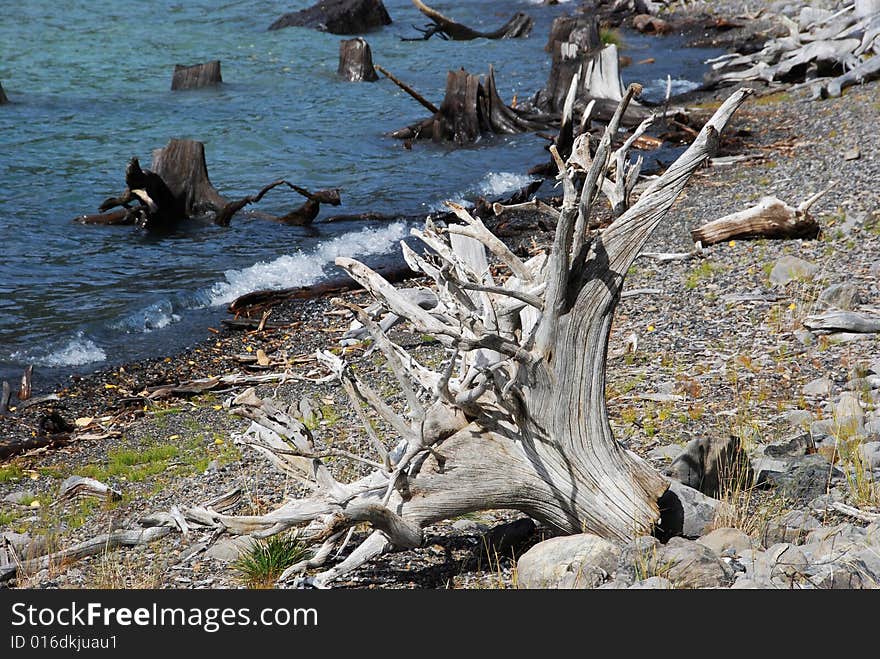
(3, 99)
(178, 188)
(356, 61)
(206, 74)
(338, 17)
(471, 108)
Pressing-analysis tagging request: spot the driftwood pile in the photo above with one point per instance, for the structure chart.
(827, 50)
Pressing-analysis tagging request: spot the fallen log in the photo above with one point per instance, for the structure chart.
(338, 17)
(257, 302)
(769, 218)
(356, 61)
(864, 72)
(519, 25)
(471, 108)
(196, 76)
(843, 321)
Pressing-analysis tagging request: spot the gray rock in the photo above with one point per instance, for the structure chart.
(819, 430)
(668, 452)
(806, 479)
(791, 268)
(229, 549)
(806, 337)
(848, 407)
(726, 541)
(795, 446)
(704, 461)
(874, 366)
(870, 452)
(686, 511)
(614, 585)
(818, 387)
(575, 561)
(688, 564)
(767, 469)
(25, 545)
(799, 418)
(872, 427)
(744, 582)
(19, 497)
(792, 527)
(843, 296)
(638, 559)
(469, 526)
(787, 562)
(652, 583)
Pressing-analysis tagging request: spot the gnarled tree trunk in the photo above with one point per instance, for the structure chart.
(516, 416)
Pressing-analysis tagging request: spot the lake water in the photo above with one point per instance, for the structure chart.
(89, 84)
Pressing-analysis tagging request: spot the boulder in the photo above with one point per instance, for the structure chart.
(574, 561)
(870, 453)
(228, 550)
(688, 564)
(685, 511)
(818, 387)
(843, 296)
(726, 541)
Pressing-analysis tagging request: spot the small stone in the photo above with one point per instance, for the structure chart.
(792, 447)
(799, 418)
(668, 452)
(653, 583)
(852, 154)
(791, 268)
(818, 387)
(18, 497)
(229, 549)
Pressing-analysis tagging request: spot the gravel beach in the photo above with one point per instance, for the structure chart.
(707, 347)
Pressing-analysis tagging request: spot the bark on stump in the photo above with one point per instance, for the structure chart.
(356, 61)
(196, 76)
(338, 17)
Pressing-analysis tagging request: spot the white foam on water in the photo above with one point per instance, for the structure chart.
(656, 89)
(156, 316)
(496, 184)
(78, 351)
(304, 268)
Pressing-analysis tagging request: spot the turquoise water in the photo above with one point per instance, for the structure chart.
(89, 85)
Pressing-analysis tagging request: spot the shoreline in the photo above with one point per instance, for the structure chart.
(735, 336)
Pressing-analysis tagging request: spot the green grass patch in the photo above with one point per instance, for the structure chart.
(266, 559)
(11, 472)
(133, 465)
(8, 516)
(610, 36)
(705, 270)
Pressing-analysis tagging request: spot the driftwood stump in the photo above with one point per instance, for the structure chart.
(515, 417)
(338, 17)
(196, 76)
(178, 188)
(472, 107)
(356, 61)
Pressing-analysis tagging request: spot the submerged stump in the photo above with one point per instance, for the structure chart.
(196, 76)
(356, 61)
(3, 99)
(338, 17)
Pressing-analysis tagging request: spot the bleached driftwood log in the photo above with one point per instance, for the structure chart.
(769, 218)
(516, 416)
(843, 321)
(832, 49)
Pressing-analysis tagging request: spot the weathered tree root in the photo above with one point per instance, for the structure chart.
(519, 25)
(515, 418)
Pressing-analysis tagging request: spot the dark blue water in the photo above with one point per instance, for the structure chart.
(89, 82)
